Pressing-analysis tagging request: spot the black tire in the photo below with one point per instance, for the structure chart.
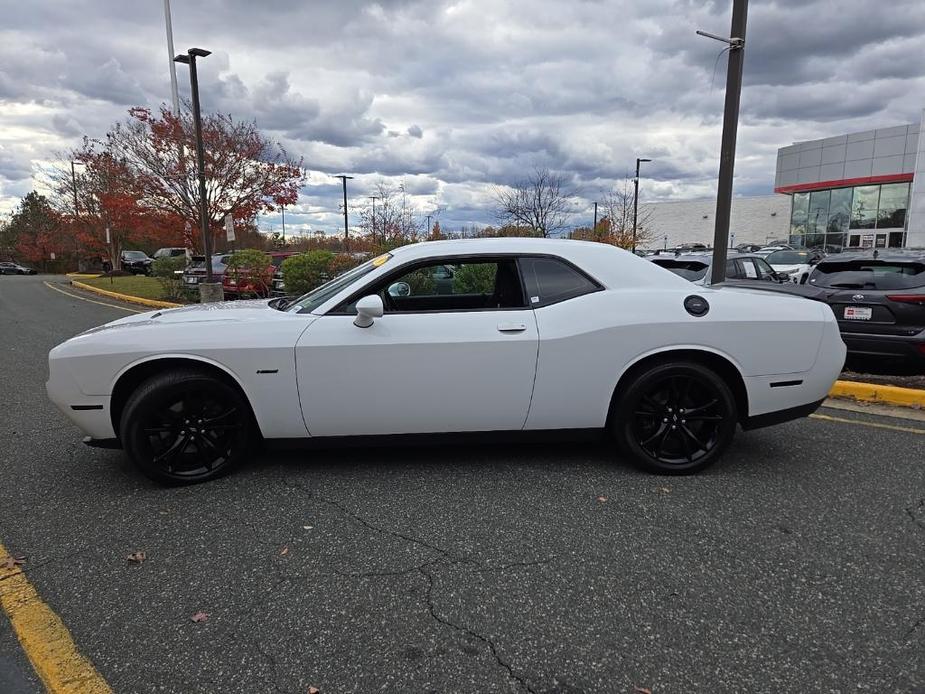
(675, 418)
(185, 427)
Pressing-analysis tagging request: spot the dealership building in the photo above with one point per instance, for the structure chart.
(857, 190)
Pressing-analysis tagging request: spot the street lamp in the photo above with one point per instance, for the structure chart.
(190, 59)
(76, 210)
(636, 198)
(594, 226)
(344, 178)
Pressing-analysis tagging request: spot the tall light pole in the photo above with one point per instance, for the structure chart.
(282, 209)
(170, 60)
(344, 178)
(76, 210)
(594, 227)
(736, 43)
(374, 198)
(428, 223)
(636, 198)
(190, 59)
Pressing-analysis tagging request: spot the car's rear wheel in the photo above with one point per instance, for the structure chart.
(676, 418)
(186, 426)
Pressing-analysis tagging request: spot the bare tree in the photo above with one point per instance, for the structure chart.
(394, 222)
(618, 209)
(541, 203)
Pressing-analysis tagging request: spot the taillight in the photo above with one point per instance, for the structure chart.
(907, 298)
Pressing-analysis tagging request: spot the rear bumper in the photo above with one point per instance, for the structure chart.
(781, 416)
(910, 347)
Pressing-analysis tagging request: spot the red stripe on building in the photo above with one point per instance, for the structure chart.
(844, 183)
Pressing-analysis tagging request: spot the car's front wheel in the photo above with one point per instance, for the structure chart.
(186, 426)
(675, 417)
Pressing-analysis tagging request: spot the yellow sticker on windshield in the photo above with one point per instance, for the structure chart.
(380, 260)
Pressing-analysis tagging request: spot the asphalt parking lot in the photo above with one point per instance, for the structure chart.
(795, 564)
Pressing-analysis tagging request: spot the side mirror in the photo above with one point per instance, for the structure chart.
(400, 289)
(368, 308)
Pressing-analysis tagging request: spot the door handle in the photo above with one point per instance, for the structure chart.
(512, 327)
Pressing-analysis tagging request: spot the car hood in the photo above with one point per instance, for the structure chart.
(226, 311)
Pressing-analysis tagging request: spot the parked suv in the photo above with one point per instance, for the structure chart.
(171, 252)
(240, 284)
(878, 298)
(195, 272)
(136, 262)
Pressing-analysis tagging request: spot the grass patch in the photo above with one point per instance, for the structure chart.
(133, 285)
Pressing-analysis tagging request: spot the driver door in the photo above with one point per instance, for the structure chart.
(455, 351)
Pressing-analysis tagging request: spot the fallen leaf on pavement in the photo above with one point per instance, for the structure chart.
(200, 617)
(284, 551)
(663, 490)
(12, 562)
(136, 557)
(307, 527)
(602, 499)
(642, 690)
(314, 690)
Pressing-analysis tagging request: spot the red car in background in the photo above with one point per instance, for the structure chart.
(240, 284)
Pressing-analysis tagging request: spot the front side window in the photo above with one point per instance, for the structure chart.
(477, 284)
(316, 297)
(748, 269)
(549, 281)
(765, 271)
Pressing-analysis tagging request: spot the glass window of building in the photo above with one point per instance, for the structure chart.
(864, 207)
(800, 206)
(817, 218)
(894, 197)
(836, 230)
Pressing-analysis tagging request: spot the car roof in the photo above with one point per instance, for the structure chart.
(608, 264)
(907, 254)
(703, 257)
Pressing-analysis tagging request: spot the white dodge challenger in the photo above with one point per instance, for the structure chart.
(478, 337)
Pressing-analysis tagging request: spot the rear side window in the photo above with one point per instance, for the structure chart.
(869, 274)
(549, 281)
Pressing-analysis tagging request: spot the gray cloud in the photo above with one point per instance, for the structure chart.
(497, 86)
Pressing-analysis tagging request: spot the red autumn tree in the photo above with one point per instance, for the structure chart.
(35, 230)
(245, 172)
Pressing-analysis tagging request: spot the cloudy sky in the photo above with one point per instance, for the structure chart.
(453, 97)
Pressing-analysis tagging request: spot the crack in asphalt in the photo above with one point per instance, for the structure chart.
(916, 513)
(449, 560)
(428, 596)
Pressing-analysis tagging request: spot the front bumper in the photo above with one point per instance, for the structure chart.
(89, 412)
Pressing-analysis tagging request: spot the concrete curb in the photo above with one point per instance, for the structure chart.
(875, 392)
(82, 275)
(125, 297)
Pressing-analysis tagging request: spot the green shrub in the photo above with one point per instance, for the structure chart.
(304, 272)
(165, 270)
(475, 278)
(250, 271)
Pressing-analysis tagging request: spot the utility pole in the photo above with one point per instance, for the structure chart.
(170, 60)
(190, 59)
(282, 208)
(76, 212)
(594, 228)
(344, 179)
(373, 221)
(730, 126)
(428, 223)
(636, 198)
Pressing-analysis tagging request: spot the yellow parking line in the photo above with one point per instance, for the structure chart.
(45, 639)
(876, 425)
(93, 301)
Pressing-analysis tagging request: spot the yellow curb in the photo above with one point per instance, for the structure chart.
(875, 392)
(153, 303)
(83, 275)
(45, 639)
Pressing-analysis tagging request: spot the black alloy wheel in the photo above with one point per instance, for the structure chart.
(185, 427)
(676, 418)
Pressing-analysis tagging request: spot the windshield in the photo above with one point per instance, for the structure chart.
(692, 270)
(134, 255)
(869, 274)
(309, 302)
(788, 258)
